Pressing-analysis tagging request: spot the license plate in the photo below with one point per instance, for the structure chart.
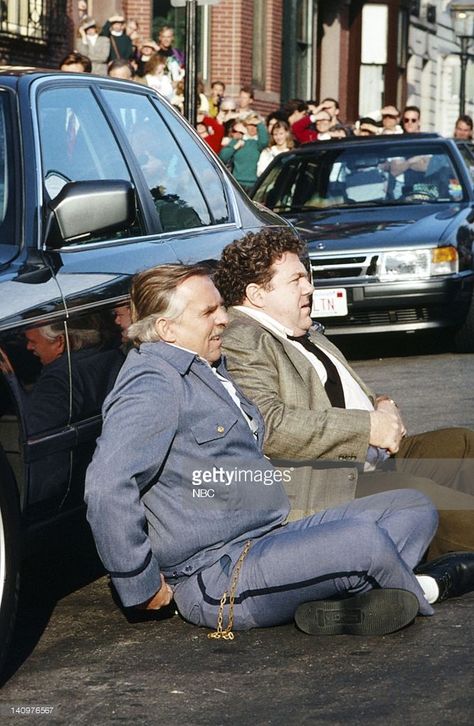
(329, 302)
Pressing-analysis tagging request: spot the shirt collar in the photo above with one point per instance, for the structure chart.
(266, 320)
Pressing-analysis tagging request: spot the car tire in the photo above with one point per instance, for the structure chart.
(464, 336)
(9, 556)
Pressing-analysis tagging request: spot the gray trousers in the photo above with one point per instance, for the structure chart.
(364, 544)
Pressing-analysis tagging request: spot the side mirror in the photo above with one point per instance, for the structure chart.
(84, 209)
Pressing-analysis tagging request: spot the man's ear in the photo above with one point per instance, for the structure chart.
(61, 343)
(255, 294)
(165, 329)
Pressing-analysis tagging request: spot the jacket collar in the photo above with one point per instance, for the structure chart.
(177, 357)
(180, 358)
(235, 315)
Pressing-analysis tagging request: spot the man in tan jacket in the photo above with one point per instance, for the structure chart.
(343, 441)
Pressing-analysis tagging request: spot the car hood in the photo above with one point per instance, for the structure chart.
(372, 227)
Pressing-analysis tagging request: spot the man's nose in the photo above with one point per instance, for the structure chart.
(221, 317)
(308, 287)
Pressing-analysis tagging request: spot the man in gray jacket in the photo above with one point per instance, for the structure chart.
(318, 413)
(179, 488)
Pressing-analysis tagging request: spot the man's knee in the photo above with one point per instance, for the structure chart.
(370, 543)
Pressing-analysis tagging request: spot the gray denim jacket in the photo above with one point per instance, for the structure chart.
(177, 475)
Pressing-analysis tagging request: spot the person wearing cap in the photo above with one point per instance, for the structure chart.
(93, 45)
(147, 50)
(121, 46)
(390, 120)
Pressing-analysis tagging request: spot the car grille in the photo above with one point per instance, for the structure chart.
(329, 268)
(386, 317)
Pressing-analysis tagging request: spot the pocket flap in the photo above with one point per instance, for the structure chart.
(213, 427)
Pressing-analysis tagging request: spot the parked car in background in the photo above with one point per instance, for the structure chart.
(98, 179)
(389, 222)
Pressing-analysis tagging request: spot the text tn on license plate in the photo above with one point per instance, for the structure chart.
(329, 302)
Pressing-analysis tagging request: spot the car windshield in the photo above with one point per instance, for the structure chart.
(361, 176)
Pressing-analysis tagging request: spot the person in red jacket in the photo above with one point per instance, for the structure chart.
(301, 124)
(211, 131)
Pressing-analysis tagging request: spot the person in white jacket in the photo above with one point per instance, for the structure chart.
(281, 140)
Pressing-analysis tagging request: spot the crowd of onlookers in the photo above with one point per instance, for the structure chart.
(245, 140)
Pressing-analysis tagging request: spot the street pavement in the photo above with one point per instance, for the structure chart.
(76, 654)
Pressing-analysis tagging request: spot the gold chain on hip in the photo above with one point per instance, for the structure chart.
(226, 633)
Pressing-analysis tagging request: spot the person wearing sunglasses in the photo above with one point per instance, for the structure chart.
(411, 120)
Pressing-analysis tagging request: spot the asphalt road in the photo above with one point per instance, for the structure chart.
(77, 656)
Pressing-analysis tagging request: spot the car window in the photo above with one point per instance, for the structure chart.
(467, 151)
(208, 178)
(177, 196)
(7, 179)
(360, 176)
(77, 143)
(38, 408)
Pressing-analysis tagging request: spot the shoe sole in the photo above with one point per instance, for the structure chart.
(377, 612)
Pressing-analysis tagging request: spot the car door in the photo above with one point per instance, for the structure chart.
(89, 130)
(196, 206)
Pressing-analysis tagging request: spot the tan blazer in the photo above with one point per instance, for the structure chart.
(301, 425)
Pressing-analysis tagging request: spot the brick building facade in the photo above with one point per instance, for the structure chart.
(366, 53)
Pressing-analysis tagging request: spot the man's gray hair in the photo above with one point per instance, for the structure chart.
(78, 337)
(153, 296)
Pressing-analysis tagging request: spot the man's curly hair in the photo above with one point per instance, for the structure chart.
(250, 260)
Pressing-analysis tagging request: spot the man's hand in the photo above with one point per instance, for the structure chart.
(386, 427)
(160, 599)
(384, 403)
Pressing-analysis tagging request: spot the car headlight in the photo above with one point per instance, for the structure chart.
(406, 264)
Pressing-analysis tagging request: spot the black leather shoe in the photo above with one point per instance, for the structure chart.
(376, 612)
(453, 572)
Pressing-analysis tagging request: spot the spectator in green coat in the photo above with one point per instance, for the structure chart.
(248, 139)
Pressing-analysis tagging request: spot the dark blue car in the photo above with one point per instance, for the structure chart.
(389, 222)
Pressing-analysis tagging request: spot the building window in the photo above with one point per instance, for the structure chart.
(26, 18)
(299, 21)
(373, 58)
(304, 48)
(259, 44)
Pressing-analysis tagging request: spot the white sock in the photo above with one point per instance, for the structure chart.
(429, 586)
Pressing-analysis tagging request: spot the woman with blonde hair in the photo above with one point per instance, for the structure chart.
(281, 139)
